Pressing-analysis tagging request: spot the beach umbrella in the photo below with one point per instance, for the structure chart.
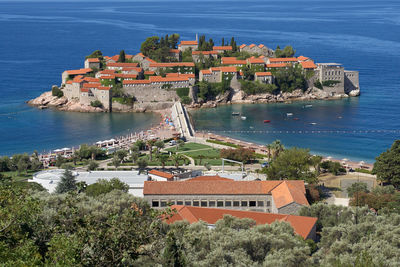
(362, 163)
(58, 150)
(344, 159)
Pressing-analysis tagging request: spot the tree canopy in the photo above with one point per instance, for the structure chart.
(158, 48)
(387, 165)
(288, 51)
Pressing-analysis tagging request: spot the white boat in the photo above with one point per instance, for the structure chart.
(235, 113)
(313, 123)
(289, 114)
(308, 106)
(243, 118)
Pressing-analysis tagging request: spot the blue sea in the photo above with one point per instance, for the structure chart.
(38, 40)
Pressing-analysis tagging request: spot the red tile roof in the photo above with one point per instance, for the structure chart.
(125, 76)
(252, 45)
(308, 64)
(107, 72)
(242, 46)
(255, 61)
(149, 60)
(91, 80)
(208, 178)
(78, 79)
(93, 60)
(205, 71)
(180, 75)
(278, 65)
(78, 72)
(301, 225)
(172, 64)
(137, 69)
(188, 43)
(226, 47)
(136, 82)
(107, 76)
(106, 88)
(168, 79)
(175, 51)
(91, 85)
(283, 59)
(162, 174)
(205, 52)
(225, 69)
(302, 58)
(289, 192)
(261, 45)
(262, 74)
(122, 65)
(149, 72)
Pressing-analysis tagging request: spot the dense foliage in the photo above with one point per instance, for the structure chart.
(387, 165)
(204, 45)
(96, 104)
(95, 54)
(288, 51)
(290, 79)
(239, 154)
(333, 167)
(158, 48)
(253, 88)
(55, 91)
(209, 91)
(105, 186)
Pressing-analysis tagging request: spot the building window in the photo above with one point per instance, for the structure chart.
(236, 203)
(171, 202)
(260, 203)
(188, 203)
(195, 203)
(179, 202)
(244, 204)
(252, 203)
(155, 204)
(211, 203)
(268, 203)
(204, 203)
(163, 203)
(228, 203)
(220, 203)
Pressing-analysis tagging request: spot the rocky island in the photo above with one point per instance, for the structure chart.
(199, 74)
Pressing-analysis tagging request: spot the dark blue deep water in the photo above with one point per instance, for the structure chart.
(40, 40)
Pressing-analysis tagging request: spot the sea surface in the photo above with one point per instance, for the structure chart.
(38, 40)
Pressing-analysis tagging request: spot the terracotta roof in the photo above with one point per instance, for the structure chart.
(175, 51)
(205, 52)
(85, 90)
(107, 88)
(261, 57)
(209, 178)
(136, 82)
(172, 64)
(168, 79)
(122, 65)
(107, 72)
(80, 71)
(242, 46)
(93, 60)
(210, 187)
(140, 55)
(150, 60)
(289, 192)
(180, 75)
(283, 59)
(308, 64)
(301, 225)
(255, 61)
(252, 45)
(137, 69)
(225, 69)
(226, 47)
(262, 74)
(91, 79)
(149, 72)
(162, 174)
(69, 82)
(205, 71)
(188, 43)
(107, 76)
(261, 45)
(123, 75)
(91, 85)
(278, 65)
(302, 58)
(232, 61)
(77, 79)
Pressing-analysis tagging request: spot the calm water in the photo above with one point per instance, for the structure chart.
(40, 40)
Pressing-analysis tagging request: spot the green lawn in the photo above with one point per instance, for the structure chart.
(188, 147)
(19, 177)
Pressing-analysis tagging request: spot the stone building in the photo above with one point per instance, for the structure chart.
(70, 74)
(215, 75)
(302, 225)
(331, 72)
(184, 45)
(232, 61)
(92, 63)
(175, 53)
(264, 77)
(257, 49)
(351, 81)
(285, 197)
(179, 67)
(120, 66)
(91, 92)
(196, 55)
(221, 49)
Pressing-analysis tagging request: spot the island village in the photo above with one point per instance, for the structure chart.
(199, 74)
(195, 74)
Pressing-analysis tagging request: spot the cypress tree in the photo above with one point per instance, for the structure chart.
(223, 41)
(67, 183)
(121, 56)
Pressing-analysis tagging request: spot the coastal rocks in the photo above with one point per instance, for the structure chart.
(319, 94)
(354, 93)
(238, 96)
(223, 98)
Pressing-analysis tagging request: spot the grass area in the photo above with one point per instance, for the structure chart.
(363, 171)
(201, 154)
(222, 143)
(17, 177)
(188, 147)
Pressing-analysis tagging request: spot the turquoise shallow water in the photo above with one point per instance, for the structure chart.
(38, 40)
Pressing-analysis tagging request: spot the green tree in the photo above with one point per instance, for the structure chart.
(278, 147)
(92, 165)
(142, 164)
(179, 144)
(288, 51)
(122, 56)
(357, 188)
(387, 165)
(116, 161)
(163, 158)
(176, 158)
(103, 186)
(290, 79)
(150, 143)
(67, 182)
(173, 254)
(121, 154)
(60, 160)
(292, 164)
(95, 54)
(140, 144)
(160, 145)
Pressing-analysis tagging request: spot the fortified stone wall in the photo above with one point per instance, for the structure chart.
(292, 208)
(351, 81)
(151, 93)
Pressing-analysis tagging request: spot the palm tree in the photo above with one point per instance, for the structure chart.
(278, 147)
(163, 158)
(200, 157)
(150, 144)
(269, 147)
(316, 161)
(176, 158)
(116, 161)
(179, 144)
(160, 145)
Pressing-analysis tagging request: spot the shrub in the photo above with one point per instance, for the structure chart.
(186, 100)
(252, 88)
(55, 91)
(330, 83)
(181, 92)
(96, 104)
(318, 84)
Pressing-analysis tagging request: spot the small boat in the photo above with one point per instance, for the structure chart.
(289, 114)
(235, 113)
(308, 106)
(267, 121)
(251, 127)
(313, 123)
(243, 118)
